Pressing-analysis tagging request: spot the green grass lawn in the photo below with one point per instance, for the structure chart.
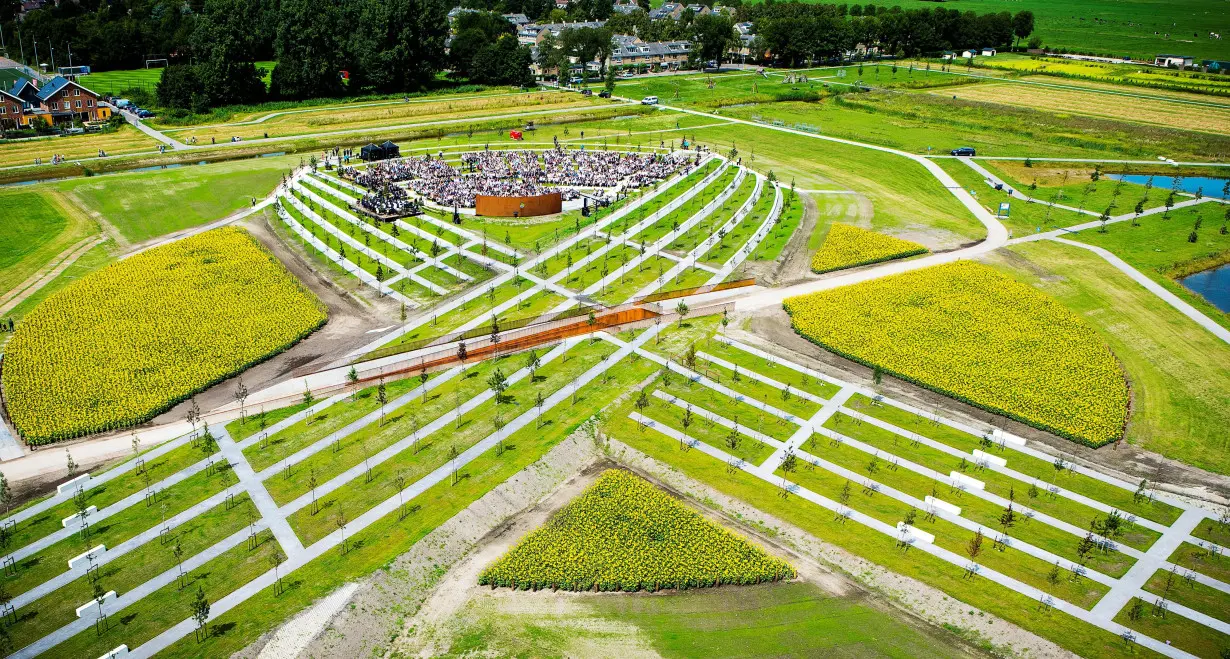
(737, 237)
(1045, 471)
(376, 545)
(1023, 218)
(432, 451)
(135, 203)
(1190, 556)
(792, 619)
(131, 570)
(101, 496)
(38, 225)
(902, 194)
(94, 259)
(37, 568)
(716, 220)
(169, 605)
(1192, 594)
(770, 248)
(1068, 632)
(1176, 367)
(1159, 247)
(760, 365)
(1174, 629)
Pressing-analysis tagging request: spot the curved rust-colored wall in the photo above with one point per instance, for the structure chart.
(546, 204)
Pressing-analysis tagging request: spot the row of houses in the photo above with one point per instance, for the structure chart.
(58, 101)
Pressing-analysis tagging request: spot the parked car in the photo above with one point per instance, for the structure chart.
(649, 100)
(604, 94)
(964, 151)
(144, 114)
(587, 92)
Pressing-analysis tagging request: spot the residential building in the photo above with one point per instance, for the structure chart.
(534, 33)
(1215, 66)
(631, 52)
(519, 20)
(699, 10)
(626, 8)
(1176, 61)
(988, 52)
(671, 10)
(63, 101)
(12, 111)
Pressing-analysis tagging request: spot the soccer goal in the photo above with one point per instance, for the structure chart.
(156, 63)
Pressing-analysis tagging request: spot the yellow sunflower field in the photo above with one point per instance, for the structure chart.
(121, 345)
(848, 246)
(624, 534)
(969, 332)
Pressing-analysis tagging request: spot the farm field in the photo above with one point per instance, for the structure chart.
(1147, 76)
(1211, 118)
(914, 121)
(341, 118)
(1081, 395)
(124, 140)
(1044, 450)
(1111, 28)
(76, 368)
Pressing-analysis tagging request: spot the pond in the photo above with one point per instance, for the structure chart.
(1212, 284)
(1211, 187)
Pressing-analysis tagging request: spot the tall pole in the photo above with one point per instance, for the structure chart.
(36, 66)
(53, 55)
(22, 46)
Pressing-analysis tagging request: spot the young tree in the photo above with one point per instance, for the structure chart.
(423, 383)
(308, 398)
(72, 464)
(973, 548)
(498, 383)
(682, 310)
(352, 379)
(6, 493)
(275, 561)
(241, 395)
(382, 395)
(339, 520)
(788, 465)
(734, 436)
(844, 498)
(177, 550)
(452, 458)
(642, 402)
(200, 614)
(532, 362)
(686, 421)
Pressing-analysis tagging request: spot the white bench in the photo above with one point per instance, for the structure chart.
(966, 482)
(988, 459)
(72, 485)
(911, 532)
(942, 505)
(84, 558)
(90, 510)
(92, 606)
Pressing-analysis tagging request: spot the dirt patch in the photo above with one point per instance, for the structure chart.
(772, 333)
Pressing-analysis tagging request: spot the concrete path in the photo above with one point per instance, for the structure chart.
(1170, 298)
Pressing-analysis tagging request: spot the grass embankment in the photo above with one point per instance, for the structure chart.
(1176, 367)
(40, 227)
(376, 545)
(131, 570)
(1162, 248)
(1058, 627)
(135, 203)
(730, 244)
(432, 451)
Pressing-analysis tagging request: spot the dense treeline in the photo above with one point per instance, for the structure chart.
(395, 46)
(795, 31)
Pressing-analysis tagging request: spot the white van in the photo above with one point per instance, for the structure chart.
(649, 100)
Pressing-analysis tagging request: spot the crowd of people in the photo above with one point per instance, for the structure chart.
(389, 200)
(516, 174)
